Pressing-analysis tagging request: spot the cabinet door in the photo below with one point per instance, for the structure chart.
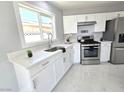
(81, 18)
(120, 14)
(85, 18)
(90, 17)
(100, 22)
(59, 68)
(110, 16)
(45, 81)
(70, 24)
(76, 52)
(105, 52)
(66, 62)
(71, 56)
(68, 59)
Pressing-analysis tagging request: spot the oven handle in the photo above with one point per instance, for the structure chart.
(89, 48)
(89, 45)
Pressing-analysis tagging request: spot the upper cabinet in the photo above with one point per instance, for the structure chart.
(80, 18)
(70, 24)
(99, 18)
(120, 14)
(110, 16)
(100, 22)
(85, 18)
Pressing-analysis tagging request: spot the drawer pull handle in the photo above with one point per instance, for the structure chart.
(45, 63)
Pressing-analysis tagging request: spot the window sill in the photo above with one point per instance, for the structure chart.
(45, 42)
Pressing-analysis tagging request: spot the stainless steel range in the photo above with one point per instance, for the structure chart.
(90, 52)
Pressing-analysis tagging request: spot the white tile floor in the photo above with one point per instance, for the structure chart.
(82, 78)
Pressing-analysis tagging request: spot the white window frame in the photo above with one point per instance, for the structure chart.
(20, 27)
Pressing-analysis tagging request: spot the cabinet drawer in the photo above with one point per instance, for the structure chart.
(41, 65)
(38, 67)
(45, 80)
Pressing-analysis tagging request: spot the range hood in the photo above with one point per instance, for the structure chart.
(86, 23)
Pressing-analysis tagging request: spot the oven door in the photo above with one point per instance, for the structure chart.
(90, 52)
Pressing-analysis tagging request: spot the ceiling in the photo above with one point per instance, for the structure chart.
(69, 5)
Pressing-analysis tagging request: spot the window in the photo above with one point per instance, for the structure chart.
(36, 25)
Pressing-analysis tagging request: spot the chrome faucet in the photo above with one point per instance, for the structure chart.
(50, 37)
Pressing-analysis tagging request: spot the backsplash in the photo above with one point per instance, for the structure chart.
(73, 37)
(85, 30)
(97, 36)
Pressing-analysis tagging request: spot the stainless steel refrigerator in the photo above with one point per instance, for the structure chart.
(115, 32)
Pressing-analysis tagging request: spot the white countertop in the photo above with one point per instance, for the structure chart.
(39, 56)
(106, 41)
(65, 45)
(27, 62)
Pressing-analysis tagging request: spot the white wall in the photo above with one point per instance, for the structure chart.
(10, 41)
(99, 9)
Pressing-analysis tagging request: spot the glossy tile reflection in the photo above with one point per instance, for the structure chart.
(104, 77)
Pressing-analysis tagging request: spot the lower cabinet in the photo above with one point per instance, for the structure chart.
(45, 80)
(66, 62)
(43, 76)
(59, 68)
(76, 53)
(71, 56)
(68, 59)
(105, 51)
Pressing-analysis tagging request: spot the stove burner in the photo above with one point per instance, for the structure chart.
(90, 41)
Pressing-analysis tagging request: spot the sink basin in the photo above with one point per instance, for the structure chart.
(55, 49)
(52, 49)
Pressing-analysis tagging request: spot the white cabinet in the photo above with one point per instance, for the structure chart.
(45, 80)
(100, 22)
(68, 58)
(120, 14)
(59, 68)
(80, 18)
(105, 51)
(71, 56)
(110, 16)
(76, 48)
(100, 19)
(35, 74)
(90, 17)
(66, 62)
(70, 24)
(85, 18)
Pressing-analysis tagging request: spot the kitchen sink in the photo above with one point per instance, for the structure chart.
(52, 49)
(56, 48)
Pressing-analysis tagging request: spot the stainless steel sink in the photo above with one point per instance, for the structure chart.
(55, 49)
(52, 49)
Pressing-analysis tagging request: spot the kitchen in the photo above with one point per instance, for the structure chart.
(46, 46)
